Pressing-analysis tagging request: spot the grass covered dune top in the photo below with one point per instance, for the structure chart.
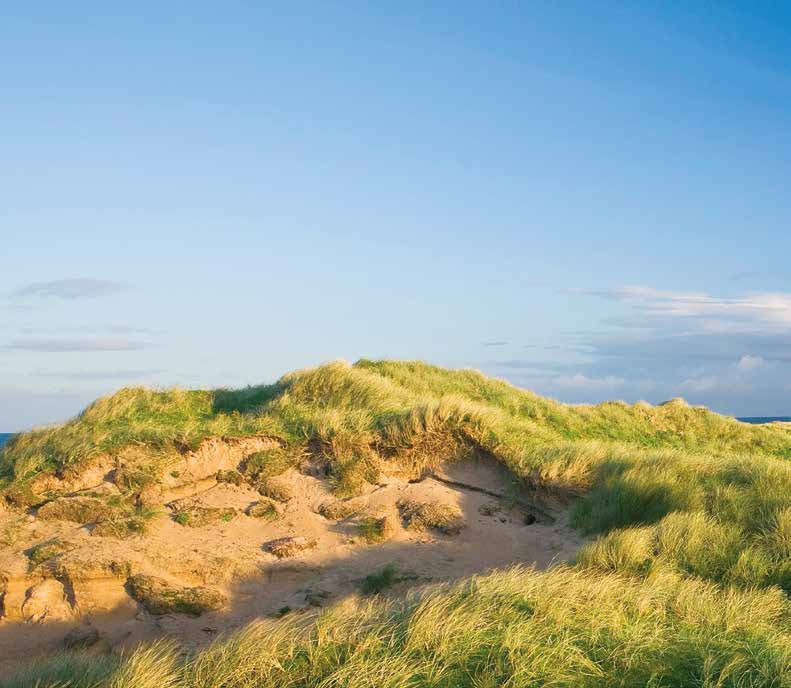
(684, 582)
(389, 405)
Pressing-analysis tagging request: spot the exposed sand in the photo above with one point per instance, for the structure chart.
(85, 587)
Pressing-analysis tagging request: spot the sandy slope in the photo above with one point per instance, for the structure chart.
(85, 587)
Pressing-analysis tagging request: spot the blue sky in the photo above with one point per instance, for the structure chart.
(591, 204)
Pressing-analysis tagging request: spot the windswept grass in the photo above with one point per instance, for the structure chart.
(686, 582)
(564, 628)
(409, 410)
(726, 519)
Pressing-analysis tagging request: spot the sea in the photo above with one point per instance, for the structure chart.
(4, 437)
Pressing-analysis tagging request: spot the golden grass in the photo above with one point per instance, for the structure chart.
(410, 410)
(686, 582)
(565, 627)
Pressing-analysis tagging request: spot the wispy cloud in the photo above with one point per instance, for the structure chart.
(88, 329)
(70, 289)
(98, 375)
(750, 312)
(68, 345)
(495, 343)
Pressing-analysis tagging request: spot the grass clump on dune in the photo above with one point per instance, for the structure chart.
(46, 551)
(276, 488)
(196, 516)
(446, 518)
(131, 523)
(159, 597)
(376, 529)
(338, 509)
(268, 463)
(265, 509)
(378, 582)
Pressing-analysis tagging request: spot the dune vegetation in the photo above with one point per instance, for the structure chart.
(686, 580)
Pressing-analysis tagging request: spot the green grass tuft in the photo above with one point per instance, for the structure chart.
(378, 582)
(376, 529)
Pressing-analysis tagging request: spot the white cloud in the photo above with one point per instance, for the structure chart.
(748, 363)
(747, 313)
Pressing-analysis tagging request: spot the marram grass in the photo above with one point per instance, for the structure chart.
(392, 405)
(685, 582)
(566, 628)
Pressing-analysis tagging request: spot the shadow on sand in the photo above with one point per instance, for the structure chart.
(307, 581)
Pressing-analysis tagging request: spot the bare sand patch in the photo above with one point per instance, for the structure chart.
(84, 588)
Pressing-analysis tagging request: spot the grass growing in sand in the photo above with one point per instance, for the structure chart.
(566, 627)
(341, 508)
(445, 518)
(265, 509)
(45, 551)
(378, 582)
(159, 597)
(686, 581)
(376, 529)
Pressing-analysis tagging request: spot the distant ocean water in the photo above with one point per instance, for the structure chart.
(4, 437)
